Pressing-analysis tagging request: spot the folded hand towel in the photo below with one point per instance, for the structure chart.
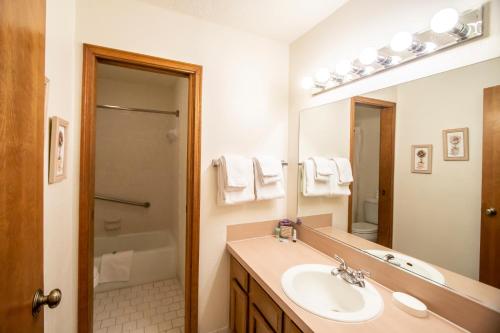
(310, 186)
(116, 266)
(324, 166)
(337, 189)
(235, 168)
(228, 195)
(269, 191)
(344, 170)
(269, 169)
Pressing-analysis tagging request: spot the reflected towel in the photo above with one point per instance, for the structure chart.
(344, 170)
(310, 186)
(116, 266)
(324, 167)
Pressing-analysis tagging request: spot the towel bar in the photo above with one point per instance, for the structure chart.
(216, 162)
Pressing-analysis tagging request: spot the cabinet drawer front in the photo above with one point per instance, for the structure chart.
(269, 310)
(239, 274)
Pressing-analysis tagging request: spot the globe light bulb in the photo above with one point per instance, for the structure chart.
(307, 83)
(401, 41)
(343, 67)
(322, 75)
(430, 47)
(444, 20)
(368, 56)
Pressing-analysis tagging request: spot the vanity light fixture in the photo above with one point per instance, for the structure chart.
(448, 28)
(447, 20)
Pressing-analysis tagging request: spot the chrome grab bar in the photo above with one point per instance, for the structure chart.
(122, 201)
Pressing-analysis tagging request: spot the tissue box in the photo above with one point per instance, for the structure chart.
(286, 231)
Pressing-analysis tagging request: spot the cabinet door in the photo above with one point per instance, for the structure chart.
(257, 323)
(238, 309)
(290, 327)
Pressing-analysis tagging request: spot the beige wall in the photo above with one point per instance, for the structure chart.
(437, 216)
(60, 229)
(244, 106)
(134, 158)
(366, 175)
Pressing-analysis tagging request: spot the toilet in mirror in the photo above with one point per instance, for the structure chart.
(423, 156)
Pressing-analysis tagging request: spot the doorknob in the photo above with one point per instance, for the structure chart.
(39, 300)
(491, 211)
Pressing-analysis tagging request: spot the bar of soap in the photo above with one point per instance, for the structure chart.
(409, 304)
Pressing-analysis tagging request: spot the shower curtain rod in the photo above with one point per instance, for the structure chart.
(116, 107)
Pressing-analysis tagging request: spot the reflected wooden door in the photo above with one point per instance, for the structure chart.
(489, 271)
(22, 88)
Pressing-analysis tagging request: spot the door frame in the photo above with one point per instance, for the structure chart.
(92, 54)
(384, 229)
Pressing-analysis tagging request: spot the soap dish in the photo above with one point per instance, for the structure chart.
(409, 304)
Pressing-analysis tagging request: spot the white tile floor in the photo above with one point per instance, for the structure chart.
(149, 308)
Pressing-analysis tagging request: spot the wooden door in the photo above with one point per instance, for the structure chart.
(22, 81)
(386, 176)
(489, 271)
(257, 323)
(238, 309)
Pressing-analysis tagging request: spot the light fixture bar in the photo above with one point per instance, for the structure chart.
(469, 25)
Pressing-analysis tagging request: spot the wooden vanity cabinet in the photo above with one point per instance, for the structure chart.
(252, 310)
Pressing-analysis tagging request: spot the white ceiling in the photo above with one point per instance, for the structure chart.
(282, 20)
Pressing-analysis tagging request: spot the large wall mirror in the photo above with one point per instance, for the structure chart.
(426, 176)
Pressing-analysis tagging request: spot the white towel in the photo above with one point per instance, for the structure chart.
(344, 170)
(337, 189)
(229, 195)
(270, 169)
(310, 186)
(116, 266)
(267, 191)
(235, 168)
(324, 166)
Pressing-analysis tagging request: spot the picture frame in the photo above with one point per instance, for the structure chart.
(58, 149)
(421, 159)
(456, 144)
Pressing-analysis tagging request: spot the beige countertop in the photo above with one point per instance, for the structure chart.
(266, 259)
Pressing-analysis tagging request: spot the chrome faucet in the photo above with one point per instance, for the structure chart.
(390, 259)
(352, 276)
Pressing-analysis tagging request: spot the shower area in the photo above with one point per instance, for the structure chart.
(139, 200)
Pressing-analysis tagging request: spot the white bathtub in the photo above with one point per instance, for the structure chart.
(155, 256)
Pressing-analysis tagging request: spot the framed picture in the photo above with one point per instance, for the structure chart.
(456, 144)
(421, 158)
(58, 149)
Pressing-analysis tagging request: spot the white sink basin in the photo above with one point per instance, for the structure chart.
(316, 290)
(411, 264)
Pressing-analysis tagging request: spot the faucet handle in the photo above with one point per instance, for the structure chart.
(343, 265)
(361, 274)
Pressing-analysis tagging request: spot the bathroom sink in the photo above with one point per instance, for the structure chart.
(411, 264)
(316, 290)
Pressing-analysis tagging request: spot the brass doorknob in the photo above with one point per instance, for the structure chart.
(491, 211)
(39, 300)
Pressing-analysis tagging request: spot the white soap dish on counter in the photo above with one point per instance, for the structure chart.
(409, 304)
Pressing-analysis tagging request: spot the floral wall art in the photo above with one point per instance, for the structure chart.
(58, 149)
(421, 158)
(456, 144)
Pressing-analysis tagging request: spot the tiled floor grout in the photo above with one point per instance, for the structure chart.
(148, 308)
